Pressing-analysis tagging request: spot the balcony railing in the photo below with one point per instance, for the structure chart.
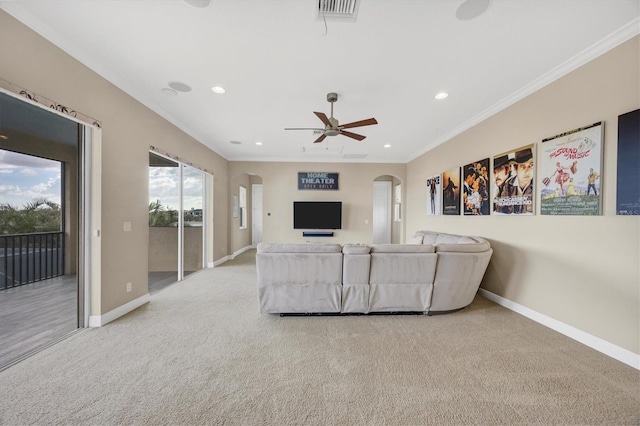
(28, 258)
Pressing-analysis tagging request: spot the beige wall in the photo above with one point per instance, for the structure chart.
(280, 190)
(128, 129)
(582, 271)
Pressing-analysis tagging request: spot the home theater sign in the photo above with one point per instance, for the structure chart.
(317, 180)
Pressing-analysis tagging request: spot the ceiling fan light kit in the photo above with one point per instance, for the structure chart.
(331, 125)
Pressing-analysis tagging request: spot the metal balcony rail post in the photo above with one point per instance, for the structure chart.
(32, 257)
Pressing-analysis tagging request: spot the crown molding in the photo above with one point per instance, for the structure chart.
(597, 49)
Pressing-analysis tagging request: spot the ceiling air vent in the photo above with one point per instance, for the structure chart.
(351, 156)
(338, 9)
(323, 149)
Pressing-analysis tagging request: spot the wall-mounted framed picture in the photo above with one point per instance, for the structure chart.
(451, 191)
(475, 188)
(318, 180)
(514, 175)
(571, 172)
(434, 195)
(628, 183)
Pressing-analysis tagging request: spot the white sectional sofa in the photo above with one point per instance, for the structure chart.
(437, 273)
(462, 262)
(299, 278)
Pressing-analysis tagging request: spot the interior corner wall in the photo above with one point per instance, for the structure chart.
(581, 271)
(280, 190)
(128, 129)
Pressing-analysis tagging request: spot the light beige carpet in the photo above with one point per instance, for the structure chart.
(201, 353)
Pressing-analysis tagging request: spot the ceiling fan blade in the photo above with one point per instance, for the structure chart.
(303, 128)
(352, 135)
(367, 122)
(323, 117)
(320, 139)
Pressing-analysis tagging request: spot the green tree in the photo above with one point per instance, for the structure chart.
(160, 216)
(38, 215)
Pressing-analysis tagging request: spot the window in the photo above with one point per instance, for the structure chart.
(243, 207)
(397, 211)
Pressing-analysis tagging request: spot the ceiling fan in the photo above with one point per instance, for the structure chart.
(331, 125)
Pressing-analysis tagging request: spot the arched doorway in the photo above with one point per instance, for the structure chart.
(387, 210)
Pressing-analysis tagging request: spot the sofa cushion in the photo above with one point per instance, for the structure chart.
(402, 248)
(417, 239)
(475, 247)
(299, 248)
(356, 249)
(430, 237)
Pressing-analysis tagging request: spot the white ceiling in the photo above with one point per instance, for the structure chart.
(278, 61)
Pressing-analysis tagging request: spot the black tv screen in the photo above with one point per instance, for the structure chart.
(317, 215)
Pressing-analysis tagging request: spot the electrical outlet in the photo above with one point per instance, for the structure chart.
(128, 287)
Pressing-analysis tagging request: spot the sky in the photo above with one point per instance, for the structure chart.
(163, 186)
(24, 178)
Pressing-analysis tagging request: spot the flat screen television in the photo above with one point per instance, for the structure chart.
(317, 215)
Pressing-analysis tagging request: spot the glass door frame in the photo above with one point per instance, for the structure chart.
(89, 146)
(206, 191)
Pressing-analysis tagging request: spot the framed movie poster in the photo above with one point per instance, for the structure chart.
(451, 192)
(513, 182)
(571, 172)
(434, 191)
(628, 183)
(475, 188)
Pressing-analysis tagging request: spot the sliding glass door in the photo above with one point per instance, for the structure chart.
(39, 228)
(192, 224)
(176, 225)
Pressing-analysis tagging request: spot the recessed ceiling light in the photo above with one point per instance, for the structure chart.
(169, 92)
(441, 95)
(236, 142)
(198, 3)
(218, 89)
(4, 137)
(180, 87)
(387, 146)
(470, 9)
(259, 143)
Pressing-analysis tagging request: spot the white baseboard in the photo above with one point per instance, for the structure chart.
(242, 250)
(100, 320)
(600, 345)
(221, 261)
(231, 256)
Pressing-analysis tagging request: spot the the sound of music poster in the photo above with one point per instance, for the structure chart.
(571, 172)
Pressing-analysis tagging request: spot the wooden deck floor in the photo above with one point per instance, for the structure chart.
(36, 315)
